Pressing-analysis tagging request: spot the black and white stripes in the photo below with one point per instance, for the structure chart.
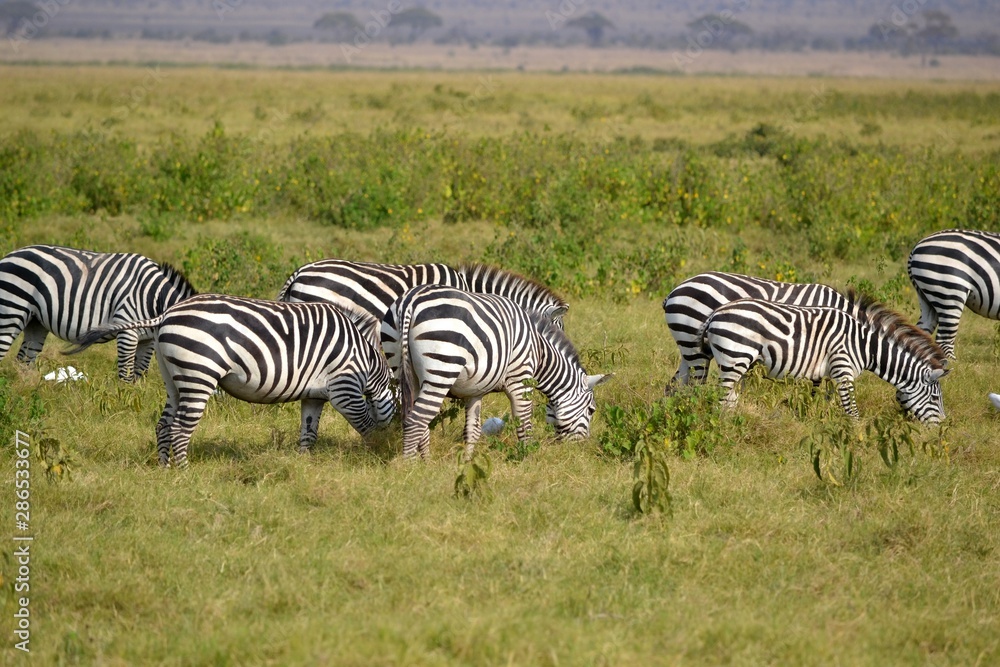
(953, 270)
(373, 287)
(816, 342)
(71, 292)
(464, 345)
(689, 305)
(264, 352)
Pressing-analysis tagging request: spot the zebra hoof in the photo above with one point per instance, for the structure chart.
(305, 450)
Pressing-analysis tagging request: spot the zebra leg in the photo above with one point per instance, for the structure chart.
(128, 341)
(143, 355)
(845, 389)
(947, 328)
(473, 424)
(163, 427)
(190, 408)
(12, 322)
(416, 423)
(312, 409)
(520, 410)
(730, 377)
(34, 339)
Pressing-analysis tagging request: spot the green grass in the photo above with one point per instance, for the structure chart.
(257, 555)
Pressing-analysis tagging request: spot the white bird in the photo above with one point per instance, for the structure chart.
(995, 400)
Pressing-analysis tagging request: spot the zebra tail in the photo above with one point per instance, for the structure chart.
(109, 332)
(703, 345)
(283, 294)
(406, 380)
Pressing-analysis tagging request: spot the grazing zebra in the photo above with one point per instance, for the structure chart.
(466, 345)
(689, 305)
(816, 342)
(373, 287)
(264, 352)
(953, 270)
(71, 292)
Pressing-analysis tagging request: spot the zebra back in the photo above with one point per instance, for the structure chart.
(70, 291)
(366, 286)
(525, 292)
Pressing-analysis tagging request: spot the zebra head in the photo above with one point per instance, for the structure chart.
(570, 411)
(922, 397)
(379, 395)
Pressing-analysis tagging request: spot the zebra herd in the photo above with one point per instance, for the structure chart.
(339, 332)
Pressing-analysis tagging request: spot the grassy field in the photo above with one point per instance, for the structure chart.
(257, 555)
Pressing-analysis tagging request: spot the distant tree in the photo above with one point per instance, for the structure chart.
(593, 24)
(339, 23)
(418, 19)
(718, 30)
(16, 11)
(936, 31)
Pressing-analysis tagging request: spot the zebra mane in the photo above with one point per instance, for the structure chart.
(891, 324)
(178, 280)
(487, 273)
(555, 335)
(366, 323)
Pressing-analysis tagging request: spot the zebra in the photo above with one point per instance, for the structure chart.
(466, 345)
(373, 287)
(817, 342)
(689, 305)
(71, 292)
(952, 270)
(264, 352)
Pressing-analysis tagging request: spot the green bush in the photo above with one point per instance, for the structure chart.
(244, 264)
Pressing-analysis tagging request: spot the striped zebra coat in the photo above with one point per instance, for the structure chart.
(689, 305)
(265, 352)
(464, 345)
(69, 292)
(815, 342)
(953, 270)
(373, 287)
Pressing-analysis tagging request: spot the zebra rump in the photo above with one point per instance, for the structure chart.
(465, 345)
(817, 342)
(69, 292)
(264, 352)
(953, 270)
(689, 305)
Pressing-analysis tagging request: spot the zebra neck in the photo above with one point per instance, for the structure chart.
(553, 369)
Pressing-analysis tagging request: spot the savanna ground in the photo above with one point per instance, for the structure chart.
(610, 188)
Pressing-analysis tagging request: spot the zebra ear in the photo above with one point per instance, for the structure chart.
(594, 380)
(558, 312)
(939, 373)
